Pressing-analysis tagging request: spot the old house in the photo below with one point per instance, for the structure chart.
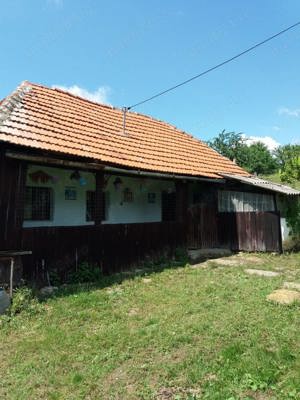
(75, 186)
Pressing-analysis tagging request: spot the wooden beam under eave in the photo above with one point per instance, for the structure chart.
(54, 161)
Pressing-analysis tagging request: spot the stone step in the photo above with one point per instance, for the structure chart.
(196, 255)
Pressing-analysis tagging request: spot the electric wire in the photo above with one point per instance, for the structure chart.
(221, 64)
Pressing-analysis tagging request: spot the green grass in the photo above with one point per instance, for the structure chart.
(204, 332)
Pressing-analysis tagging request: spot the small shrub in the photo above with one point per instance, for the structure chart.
(24, 300)
(55, 279)
(292, 244)
(86, 272)
(181, 254)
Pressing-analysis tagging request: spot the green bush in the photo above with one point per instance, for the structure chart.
(86, 272)
(293, 216)
(181, 254)
(55, 279)
(292, 244)
(24, 300)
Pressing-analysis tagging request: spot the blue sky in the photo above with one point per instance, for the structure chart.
(121, 52)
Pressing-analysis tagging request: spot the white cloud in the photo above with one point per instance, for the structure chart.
(289, 112)
(271, 143)
(100, 95)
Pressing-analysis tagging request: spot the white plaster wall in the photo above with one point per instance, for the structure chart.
(65, 212)
(73, 212)
(285, 230)
(139, 210)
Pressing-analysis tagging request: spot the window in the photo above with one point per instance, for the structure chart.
(91, 205)
(230, 201)
(168, 206)
(38, 204)
(128, 196)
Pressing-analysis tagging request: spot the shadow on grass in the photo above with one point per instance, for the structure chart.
(144, 270)
(116, 278)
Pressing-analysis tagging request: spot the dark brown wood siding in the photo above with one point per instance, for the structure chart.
(250, 231)
(202, 227)
(12, 190)
(115, 247)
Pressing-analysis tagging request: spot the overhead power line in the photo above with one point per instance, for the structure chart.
(212, 68)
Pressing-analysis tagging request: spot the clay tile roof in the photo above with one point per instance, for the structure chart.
(48, 119)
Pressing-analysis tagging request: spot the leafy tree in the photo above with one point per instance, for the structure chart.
(260, 160)
(289, 160)
(256, 158)
(230, 145)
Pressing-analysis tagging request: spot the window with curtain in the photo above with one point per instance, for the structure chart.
(233, 201)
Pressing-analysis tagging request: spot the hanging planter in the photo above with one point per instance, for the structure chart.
(118, 183)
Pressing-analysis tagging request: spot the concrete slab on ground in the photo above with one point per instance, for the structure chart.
(261, 272)
(284, 296)
(291, 285)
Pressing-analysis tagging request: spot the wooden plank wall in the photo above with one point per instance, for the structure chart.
(243, 231)
(121, 246)
(202, 227)
(12, 186)
(250, 231)
(115, 247)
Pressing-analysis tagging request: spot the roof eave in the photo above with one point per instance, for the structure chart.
(263, 184)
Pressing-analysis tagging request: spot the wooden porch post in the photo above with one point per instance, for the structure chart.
(277, 211)
(99, 197)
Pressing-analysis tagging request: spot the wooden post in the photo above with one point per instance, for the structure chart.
(11, 280)
(277, 211)
(99, 197)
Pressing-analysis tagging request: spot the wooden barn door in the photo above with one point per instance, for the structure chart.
(202, 227)
(250, 231)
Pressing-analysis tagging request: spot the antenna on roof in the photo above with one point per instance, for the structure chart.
(124, 109)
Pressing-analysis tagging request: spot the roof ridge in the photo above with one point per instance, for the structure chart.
(13, 100)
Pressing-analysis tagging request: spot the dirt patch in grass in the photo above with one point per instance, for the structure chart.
(259, 395)
(172, 393)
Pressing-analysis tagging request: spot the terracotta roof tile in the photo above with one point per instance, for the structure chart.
(50, 119)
